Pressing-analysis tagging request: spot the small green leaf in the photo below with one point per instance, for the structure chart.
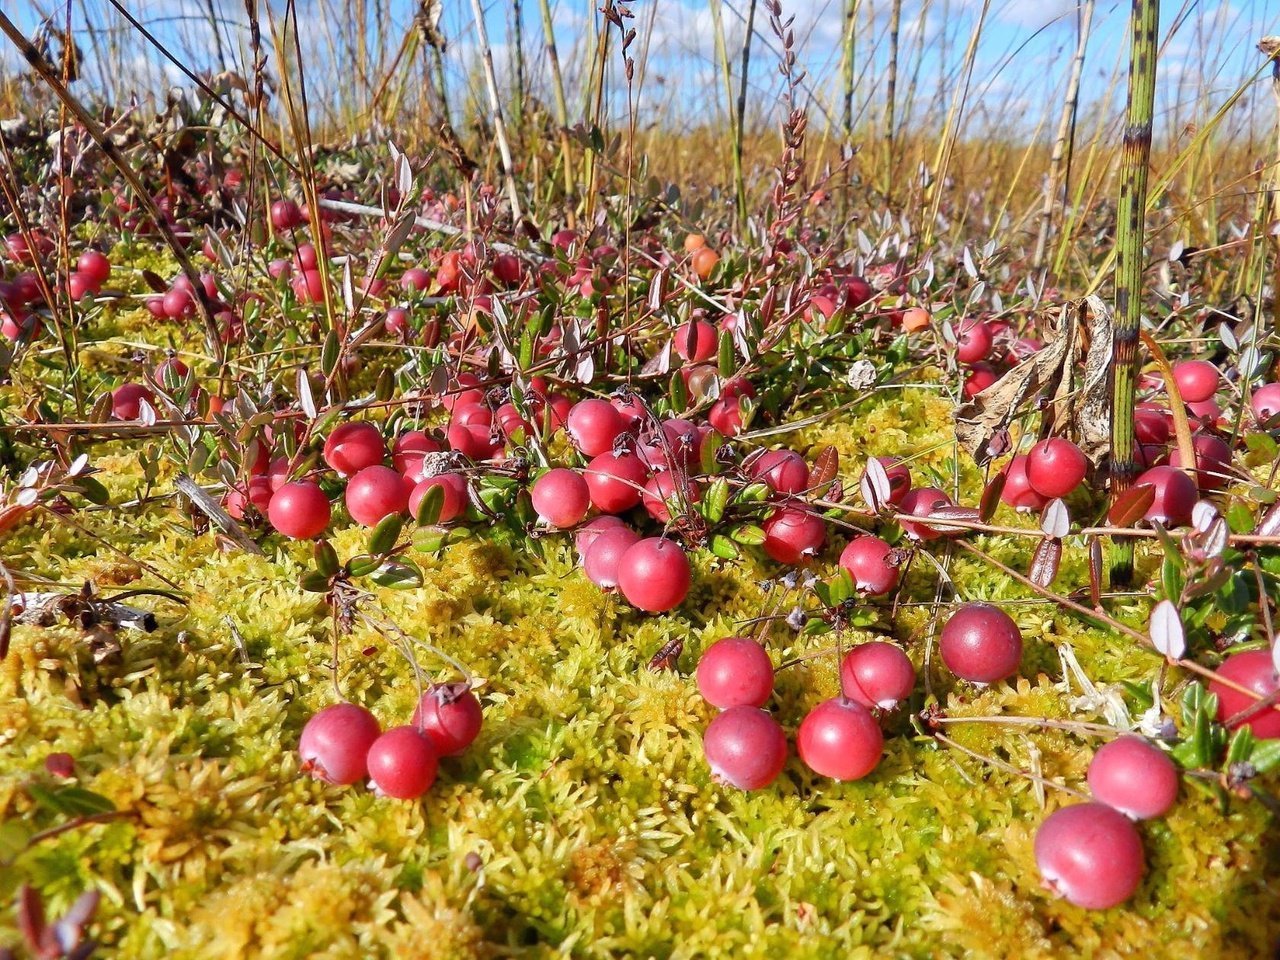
(429, 541)
(711, 444)
(754, 493)
(329, 353)
(362, 565)
(727, 362)
(93, 491)
(723, 547)
(1265, 755)
(398, 574)
(72, 801)
(383, 539)
(679, 393)
(842, 588)
(1171, 577)
(1241, 746)
(326, 558)
(430, 505)
(748, 534)
(314, 582)
(715, 501)
(1239, 517)
(14, 837)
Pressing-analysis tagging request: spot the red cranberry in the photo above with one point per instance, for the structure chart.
(353, 446)
(1254, 671)
(877, 674)
(403, 763)
(1175, 495)
(665, 490)
(921, 502)
(126, 400)
(1213, 461)
(783, 470)
(899, 478)
(978, 377)
(586, 535)
(593, 425)
(615, 481)
(1055, 467)
(335, 743)
(840, 739)
(745, 747)
(696, 341)
(1090, 854)
(375, 493)
(1017, 491)
(867, 560)
(735, 671)
(981, 643)
(408, 451)
(561, 497)
(286, 215)
(1151, 424)
(450, 715)
(654, 575)
(1265, 402)
(793, 535)
(602, 559)
(973, 341)
(299, 510)
(1197, 380)
(454, 502)
(1135, 777)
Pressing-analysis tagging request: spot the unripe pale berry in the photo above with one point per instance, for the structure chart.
(1253, 670)
(561, 497)
(877, 674)
(403, 763)
(1134, 776)
(335, 743)
(981, 643)
(745, 747)
(299, 510)
(1055, 467)
(353, 446)
(840, 739)
(375, 493)
(1090, 854)
(735, 671)
(450, 715)
(654, 575)
(869, 562)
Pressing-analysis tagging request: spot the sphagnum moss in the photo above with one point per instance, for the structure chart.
(583, 822)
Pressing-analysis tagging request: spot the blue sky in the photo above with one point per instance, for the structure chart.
(1018, 76)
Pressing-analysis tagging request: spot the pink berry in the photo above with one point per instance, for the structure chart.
(179, 303)
(784, 471)
(561, 497)
(299, 510)
(586, 534)
(921, 502)
(593, 425)
(793, 535)
(1265, 402)
(1175, 495)
(973, 341)
(726, 415)
(1197, 380)
(840, 739)
(977, 378)
(602, 559)
(375, 493)
(454, 503)
(1090, 854)
(403, 763)
(1135, 777)
(666, 491)
(734, 672)
(95, 268)
(899, 478)
(171, 372)
(1017, 491)
(335, 743)
(1254, 671)
(615, 481)
(1055, 467)
(308, 286)
(353, 446)
(396, 322)
(654, 575)
(675, 440)
(408, 451)
(78, 285)
(869, 562)
(981, 643)
(1151, 424)
(877, 674)
(696, 341)
(126, 400)
(415, 278)
(745, 747)
(1213, 461)
(286, 215)
(450, 715)
(258, 495)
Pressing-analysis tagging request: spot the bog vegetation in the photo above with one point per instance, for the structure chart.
(524, 511)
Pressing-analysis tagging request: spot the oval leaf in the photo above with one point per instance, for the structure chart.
(383, 539)
(1055, 520)
(1045, 562)
(1132, 505)
(1167, 634)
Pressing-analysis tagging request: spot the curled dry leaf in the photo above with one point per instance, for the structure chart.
(1069, 375)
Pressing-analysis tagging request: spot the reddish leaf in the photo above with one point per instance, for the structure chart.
(665, 659)
(31, 918)
(1095, 571)
(1132, 505)
(967, 514)
(1269, 524)
(991, 497)
(154, 281)
(1045, 562)
(825, 466)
